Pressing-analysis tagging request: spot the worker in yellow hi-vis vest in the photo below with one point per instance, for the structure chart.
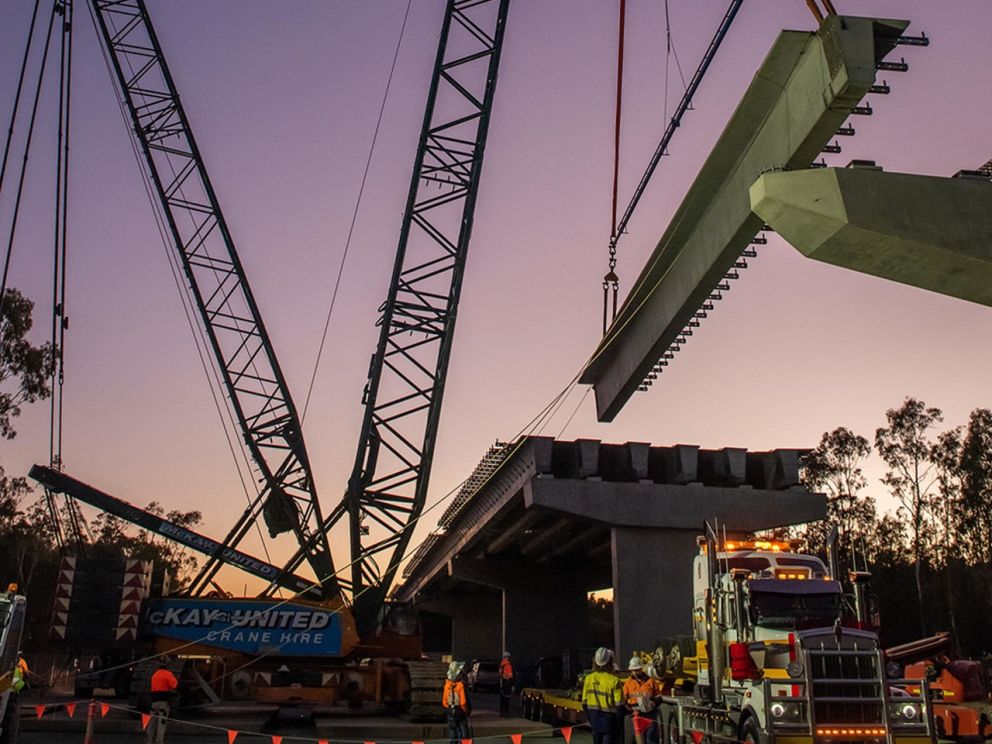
(602, 696)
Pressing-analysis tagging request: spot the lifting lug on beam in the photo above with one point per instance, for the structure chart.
(846, 131)
(758, 240)
(882, 90)
(899, 66)
(832, 148)
(920, 40)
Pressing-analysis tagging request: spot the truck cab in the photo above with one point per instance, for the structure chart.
(796, 660)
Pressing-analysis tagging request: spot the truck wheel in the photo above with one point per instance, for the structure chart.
(749, 732)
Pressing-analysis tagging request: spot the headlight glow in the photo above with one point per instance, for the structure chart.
(777, 710)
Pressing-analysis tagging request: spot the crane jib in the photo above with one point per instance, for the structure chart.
(62, 483)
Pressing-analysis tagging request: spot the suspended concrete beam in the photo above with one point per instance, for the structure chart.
(805, 89)
(927, 231)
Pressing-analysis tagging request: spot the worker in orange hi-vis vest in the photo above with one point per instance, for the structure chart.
(641, 693)
(505, 684)
(457, 704)
(163, 688)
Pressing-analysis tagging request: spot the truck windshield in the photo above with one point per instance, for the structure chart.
(794, 610)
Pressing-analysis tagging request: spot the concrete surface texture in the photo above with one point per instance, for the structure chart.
(927, 231)
(804, 90)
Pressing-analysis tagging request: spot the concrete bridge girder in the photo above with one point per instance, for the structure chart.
(804, 90)
(926, 231)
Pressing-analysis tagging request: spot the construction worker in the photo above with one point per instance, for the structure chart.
(21, 673)
(457, 704)
(163, 690)
(602, 697)
(505, 684)
(641, 693)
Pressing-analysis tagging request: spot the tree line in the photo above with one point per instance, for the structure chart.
(931, 559)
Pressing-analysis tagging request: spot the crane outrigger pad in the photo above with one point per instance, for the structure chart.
(804, 91)
(926, 231)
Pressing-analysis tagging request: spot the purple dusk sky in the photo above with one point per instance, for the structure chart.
(283, 98)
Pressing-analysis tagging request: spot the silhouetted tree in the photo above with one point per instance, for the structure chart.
(835, 467)
(905, 446)
(24, 369)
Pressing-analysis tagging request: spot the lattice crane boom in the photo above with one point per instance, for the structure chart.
(388, 485)
(244, 354)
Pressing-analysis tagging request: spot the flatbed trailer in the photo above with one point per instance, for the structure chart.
(552, 706)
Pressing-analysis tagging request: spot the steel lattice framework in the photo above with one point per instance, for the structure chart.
(256, 387)
(402, 398)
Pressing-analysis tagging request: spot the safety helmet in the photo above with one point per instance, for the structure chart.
(652, 672)
(454, 669)
(506, 654)
(603, 656)
(636, 663)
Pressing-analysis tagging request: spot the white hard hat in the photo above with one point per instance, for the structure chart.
(506, 654)
(603, 656)
(454, 669)
(636, 663)
(652, 672)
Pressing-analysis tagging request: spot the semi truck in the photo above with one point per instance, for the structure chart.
(780, 654)
(12, 609)
(797, 660)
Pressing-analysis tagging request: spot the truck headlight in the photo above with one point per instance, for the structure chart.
(907, 712)
(784, 711)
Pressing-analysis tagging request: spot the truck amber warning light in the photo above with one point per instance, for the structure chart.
(792, 573)
(824, 731)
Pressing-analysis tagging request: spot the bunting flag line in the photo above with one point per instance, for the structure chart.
(467, 741)
(40, 710)
(697, 736)
(70, 708)
(566, 731)
(516, 738)
(145, 718)
(104, 710)
(231, 736)
(323, 741)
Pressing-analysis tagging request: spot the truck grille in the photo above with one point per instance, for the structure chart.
(846, 686)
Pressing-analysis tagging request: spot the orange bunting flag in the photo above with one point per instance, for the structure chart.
(276, 739)
(70, 708)
(40, 710)
(231, 736)
(516, 738)
(104, 710)
(323, 741)
(697, 736)
(467, 741)
(370, 742)
(566, 731)
(145, 719)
